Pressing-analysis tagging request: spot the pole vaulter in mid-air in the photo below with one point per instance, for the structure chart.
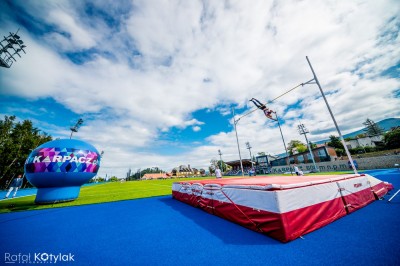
(263, 107)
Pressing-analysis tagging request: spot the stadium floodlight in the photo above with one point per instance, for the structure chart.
(10, 47)
(303, 131)
(220, 158)
(76, 127)
(248, 146)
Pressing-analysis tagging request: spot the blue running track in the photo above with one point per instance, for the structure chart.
(164, 231)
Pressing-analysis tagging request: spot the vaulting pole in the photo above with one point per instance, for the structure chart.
(237, 140)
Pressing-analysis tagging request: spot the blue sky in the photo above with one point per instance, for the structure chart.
(155, 80)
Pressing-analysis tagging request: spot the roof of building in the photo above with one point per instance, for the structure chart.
(155, 175)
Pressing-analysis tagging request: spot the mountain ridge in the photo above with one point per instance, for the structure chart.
(385, 124)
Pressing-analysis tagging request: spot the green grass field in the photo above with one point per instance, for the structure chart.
(101, 193)
(107, 192)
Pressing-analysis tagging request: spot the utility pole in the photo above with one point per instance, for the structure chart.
(284, 144)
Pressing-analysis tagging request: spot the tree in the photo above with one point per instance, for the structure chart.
(296, 145)
(137, 175)
(337, 144)
(97, 179)
(371, 128)
(312, 145)
(113, 179)
(301, 148)
(392, 139)
(213, 165)
(202, 172)
(153, 170)
(211, 169)
(225, 167)
(17, 140)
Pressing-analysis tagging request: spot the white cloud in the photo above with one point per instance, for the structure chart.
(167, 59)
(71, 36)
(196, 128)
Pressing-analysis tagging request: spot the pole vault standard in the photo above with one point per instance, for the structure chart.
(283, 140)
(276, 119)
(251, 111)
(237, 139)
(327, 104)
(333, 118)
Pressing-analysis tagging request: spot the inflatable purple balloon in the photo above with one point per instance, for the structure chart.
(60, 167)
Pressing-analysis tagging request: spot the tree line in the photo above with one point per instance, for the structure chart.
(391, 140)
(141, 172)
(17, 140)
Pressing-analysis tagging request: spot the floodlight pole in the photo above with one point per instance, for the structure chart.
(72, 130)
(9, 47)
(75, 128)
(237, 139)
(333, 118)
(303, 131)
(249, 148)
(220, 158)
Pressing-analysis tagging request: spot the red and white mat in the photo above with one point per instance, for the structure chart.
(282, 207)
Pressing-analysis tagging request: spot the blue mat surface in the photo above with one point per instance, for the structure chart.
(164, 231)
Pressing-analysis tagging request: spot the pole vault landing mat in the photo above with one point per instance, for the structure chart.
(282, 207)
